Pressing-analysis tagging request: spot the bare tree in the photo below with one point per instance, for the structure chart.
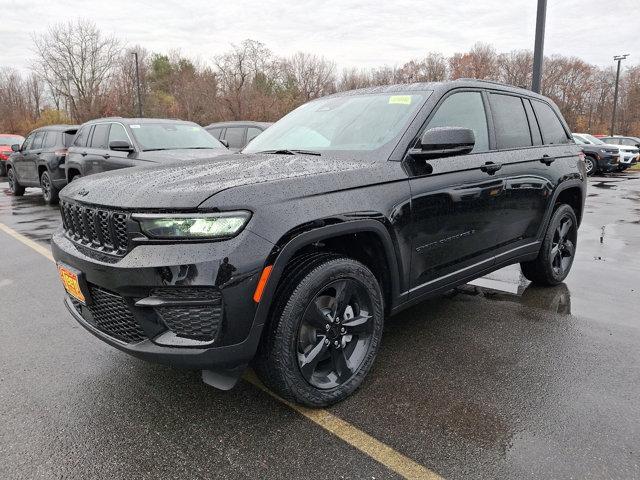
(311, 76)
(77, 61)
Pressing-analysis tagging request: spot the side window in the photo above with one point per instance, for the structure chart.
(216, 132)
(533, 123)
(550, 125)
(466, 110)
(37, 140)
(235, 137)
(100, 136)
(252, 132)
(510, 120)
(624, 141)
(26, 145)
(51, 140)
(118, 133)
(81, 137)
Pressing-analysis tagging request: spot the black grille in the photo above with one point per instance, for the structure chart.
(197, 322)
(110, 314)
(97, 228)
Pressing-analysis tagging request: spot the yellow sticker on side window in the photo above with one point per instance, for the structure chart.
(400, 100)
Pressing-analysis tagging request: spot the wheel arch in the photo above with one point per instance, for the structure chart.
(328, 236)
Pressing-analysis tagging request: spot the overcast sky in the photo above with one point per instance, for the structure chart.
(351, 32)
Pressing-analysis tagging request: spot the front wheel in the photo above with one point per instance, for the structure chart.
(590, 165)
(324, 332)
(558, 250)
(15, 187)
(49, 191)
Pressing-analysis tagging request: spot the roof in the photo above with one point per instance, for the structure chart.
(439, 86)
(248, 123)
(58, 128)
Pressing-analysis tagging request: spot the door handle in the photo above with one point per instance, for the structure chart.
(491, 167)
(84, 154)
(547, 159)
(106, 156)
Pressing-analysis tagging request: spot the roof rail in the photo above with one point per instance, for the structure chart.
(494, 82)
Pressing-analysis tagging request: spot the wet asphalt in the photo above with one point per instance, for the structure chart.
(498, 379)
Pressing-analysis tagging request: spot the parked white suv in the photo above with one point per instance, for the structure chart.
(628, 154)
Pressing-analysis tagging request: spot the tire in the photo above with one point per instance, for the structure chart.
(3, 169)
(49, 191)
(590, 165)
(558, 249)
(318, 344)
(16, 189)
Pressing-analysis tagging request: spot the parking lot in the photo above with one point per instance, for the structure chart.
(495, 380)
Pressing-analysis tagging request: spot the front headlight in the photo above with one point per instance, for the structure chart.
(193, 225)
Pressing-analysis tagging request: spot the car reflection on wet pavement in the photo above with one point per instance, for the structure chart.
(496, 379)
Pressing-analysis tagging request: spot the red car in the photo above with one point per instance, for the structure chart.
(6, 140)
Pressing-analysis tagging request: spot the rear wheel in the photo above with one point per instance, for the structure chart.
(324, 332)
(590, 165)
(558, 249)
(49, 191)
(15, 187)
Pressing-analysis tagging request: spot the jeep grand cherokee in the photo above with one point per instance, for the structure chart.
(349, 209)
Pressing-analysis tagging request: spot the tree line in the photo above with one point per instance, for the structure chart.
(78, 73)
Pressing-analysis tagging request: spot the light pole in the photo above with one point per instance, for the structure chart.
(619, 59)
(135, 55)
(538, 50)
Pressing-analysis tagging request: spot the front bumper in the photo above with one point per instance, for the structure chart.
(228, 269)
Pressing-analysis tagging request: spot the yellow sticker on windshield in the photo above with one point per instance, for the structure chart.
(400, 100)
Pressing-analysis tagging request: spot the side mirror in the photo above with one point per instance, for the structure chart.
(224, 142)
(445, 142)
(120, 146)
(15, 147)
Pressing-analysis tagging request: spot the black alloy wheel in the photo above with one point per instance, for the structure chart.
(558, 249)
(324, 331)
(14, 186)
(563, 247)
(335, 334)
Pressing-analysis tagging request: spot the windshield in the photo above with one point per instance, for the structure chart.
(345, 123)
(11, 139)
(592, 139)
(172, 136)
(579, 140)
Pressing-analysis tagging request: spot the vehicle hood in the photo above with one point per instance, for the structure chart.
(622, 148)
(187, 184)
(161, 156)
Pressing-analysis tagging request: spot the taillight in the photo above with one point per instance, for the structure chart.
(4, 156)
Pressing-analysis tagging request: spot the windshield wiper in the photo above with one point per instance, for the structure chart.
(288, 151)
(155, 149)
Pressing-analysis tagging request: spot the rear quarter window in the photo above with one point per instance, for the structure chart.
(552, 130)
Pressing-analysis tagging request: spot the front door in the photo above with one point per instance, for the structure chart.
(454, 200)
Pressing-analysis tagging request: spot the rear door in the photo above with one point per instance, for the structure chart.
(534, 150)
(19, 160)
(454, 201)
(31, 159)
(78, 151)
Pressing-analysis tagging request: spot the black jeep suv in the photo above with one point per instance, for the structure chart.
(351, 208)
(40, 161)
(112, 143)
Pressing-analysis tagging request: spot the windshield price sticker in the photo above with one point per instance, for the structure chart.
(400, 100)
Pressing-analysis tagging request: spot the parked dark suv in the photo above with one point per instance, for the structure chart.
(40, 161)
(351, 208)
(112, 143)
(237, 134)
